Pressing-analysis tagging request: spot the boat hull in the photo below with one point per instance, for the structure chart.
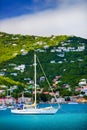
(72, 102)
(3, 108)
(34, 111)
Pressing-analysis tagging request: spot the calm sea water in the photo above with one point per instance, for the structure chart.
(69, 117)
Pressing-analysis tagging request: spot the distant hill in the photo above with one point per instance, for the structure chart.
(64, 56)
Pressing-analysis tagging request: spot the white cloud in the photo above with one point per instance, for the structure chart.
(69, 21)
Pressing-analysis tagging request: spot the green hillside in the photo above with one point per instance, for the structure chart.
(64, 56)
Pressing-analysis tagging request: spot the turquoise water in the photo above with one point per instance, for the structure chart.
(69, 117)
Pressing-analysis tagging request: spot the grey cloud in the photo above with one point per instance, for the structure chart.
(70, 21)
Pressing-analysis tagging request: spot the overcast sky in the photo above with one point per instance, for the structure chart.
(44, 17)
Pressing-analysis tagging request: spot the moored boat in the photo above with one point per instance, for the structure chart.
(33, 109)
(72, 102)
(3, 107)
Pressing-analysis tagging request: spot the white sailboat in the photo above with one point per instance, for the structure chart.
(33, 109)
(3, 106)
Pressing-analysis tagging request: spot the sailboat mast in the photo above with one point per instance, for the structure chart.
(35, 76)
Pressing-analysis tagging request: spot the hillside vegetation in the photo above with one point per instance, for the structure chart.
(63, 56)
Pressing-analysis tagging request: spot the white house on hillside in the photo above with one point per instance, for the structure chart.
(82, 82)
